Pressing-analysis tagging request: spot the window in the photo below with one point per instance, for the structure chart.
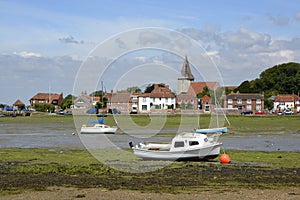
(192, 143)
(258, 101)
(192, 101)
(179, 144)
(248, 101)
(258, 107)
(239, 101)
(230, 106)
(166, 100)
(229, 101)
(249, 107)
(144, 99)
(144, 107)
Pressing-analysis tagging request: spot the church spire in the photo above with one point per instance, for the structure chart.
(186, 70)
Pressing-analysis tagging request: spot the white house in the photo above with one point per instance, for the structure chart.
(287, 101)
(161, 98)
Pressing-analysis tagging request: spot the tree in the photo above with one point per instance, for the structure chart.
(134, 89)
(67, 101)
(44, 107)
(206, 91)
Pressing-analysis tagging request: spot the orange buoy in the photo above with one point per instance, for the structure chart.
(224, 159)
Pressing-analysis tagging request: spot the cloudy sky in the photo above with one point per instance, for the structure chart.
(44, 43)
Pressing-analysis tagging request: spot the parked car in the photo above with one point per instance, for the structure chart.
(247, 112)
(260, 112)
(114, 111)
(288, 112)
(8, 109)
(59, 112)
(68, 112)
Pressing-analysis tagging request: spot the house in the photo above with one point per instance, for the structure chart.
(83, 101)
(160, 98)
(121, 102)
(45, 98)
(244, 101)
(287, 101)
(18, 105)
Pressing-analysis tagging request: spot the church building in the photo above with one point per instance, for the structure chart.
(188, 90)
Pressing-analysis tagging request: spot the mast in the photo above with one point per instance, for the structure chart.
(102, 99)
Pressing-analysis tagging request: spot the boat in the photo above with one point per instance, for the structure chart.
(184, 146)
(212, 130)
(98, 129)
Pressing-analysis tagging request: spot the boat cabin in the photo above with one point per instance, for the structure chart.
(190, 141)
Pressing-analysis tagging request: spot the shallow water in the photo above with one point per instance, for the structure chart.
(49, 135)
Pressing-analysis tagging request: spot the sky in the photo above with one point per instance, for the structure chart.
(44, 44)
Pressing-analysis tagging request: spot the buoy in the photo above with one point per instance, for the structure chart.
(224, 159)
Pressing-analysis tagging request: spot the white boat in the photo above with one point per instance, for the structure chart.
(97, 129)
(184, 146)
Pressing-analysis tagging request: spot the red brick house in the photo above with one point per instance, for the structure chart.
(51, 98)
(244, 101)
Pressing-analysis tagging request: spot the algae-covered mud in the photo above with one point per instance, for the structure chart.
(38, 169)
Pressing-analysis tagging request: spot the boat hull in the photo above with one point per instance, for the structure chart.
(92, 130)
(204, 153)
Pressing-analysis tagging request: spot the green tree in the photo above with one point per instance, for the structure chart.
(134, 89)
(206, 91)
(44, 107)
(67, 101)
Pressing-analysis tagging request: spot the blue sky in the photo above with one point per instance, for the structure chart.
(43, 43)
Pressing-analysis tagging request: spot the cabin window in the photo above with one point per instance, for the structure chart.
(179, 144)
(230, 101)
(192, 143)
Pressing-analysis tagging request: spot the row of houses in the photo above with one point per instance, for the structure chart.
(161, 98)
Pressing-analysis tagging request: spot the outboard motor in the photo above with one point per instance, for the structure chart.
(130, 144)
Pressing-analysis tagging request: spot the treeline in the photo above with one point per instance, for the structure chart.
(280, 79)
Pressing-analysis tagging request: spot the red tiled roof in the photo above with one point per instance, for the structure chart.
(197, 87)
(18, 103)
(286, 98)
(44, 96)
(159, 92)
(120, 98)
(206, 99)
(245, 96)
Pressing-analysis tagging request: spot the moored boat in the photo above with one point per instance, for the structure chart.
(98, 129)
(184, 146)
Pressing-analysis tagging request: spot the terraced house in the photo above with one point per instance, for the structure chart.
(244, 101)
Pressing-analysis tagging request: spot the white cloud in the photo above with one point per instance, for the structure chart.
(26, 54)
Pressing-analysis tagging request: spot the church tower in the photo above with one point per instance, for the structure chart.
(185, 78)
